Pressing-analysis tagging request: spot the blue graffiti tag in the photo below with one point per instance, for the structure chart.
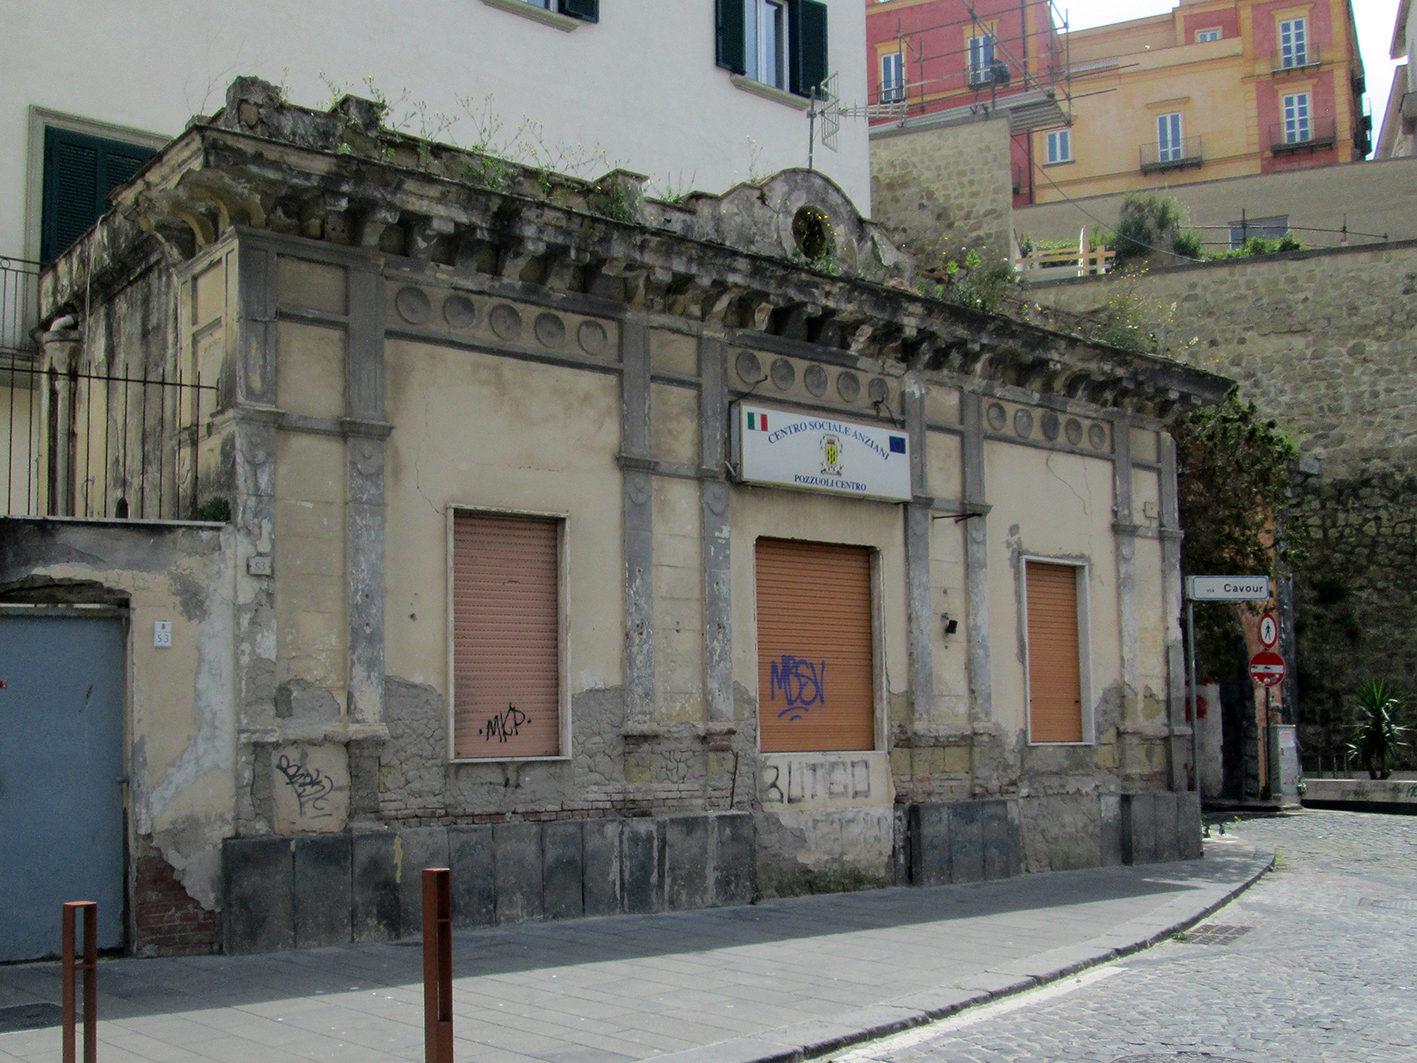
(803, 684)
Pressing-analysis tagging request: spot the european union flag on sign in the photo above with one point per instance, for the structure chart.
(897, 444)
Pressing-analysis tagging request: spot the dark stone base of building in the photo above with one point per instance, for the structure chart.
(284, 893)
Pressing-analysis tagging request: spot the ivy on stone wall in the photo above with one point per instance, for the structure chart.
(1234, 474)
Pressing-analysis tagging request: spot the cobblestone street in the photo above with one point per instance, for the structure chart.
(1314, 964)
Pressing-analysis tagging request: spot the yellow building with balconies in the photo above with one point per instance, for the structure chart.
(1212, 89)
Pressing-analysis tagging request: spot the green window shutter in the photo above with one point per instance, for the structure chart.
(79, 172)
(730, 38)
(807, 36)
(585, 10)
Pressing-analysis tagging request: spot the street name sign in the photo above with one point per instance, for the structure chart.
(1228, 588)
(1267, 668)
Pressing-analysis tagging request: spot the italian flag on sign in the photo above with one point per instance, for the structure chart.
(757, 422)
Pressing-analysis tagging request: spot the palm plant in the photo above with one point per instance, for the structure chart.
(1377, 736)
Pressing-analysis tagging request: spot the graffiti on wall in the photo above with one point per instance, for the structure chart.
(312, 787)
(309, 788)
(825, 780)
(799, 684)
(504, 725)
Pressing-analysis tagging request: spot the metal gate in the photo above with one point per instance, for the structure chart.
(61, 762)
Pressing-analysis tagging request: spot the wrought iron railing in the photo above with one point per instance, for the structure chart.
(87, 444)
(1295, 58)
(1315, 131)
(19, 305)
(1171, 154)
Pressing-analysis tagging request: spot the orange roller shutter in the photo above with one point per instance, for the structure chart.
(506, 637)
(816, 685)
(1054, 677)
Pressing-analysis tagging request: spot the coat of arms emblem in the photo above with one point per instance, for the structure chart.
(831, 454)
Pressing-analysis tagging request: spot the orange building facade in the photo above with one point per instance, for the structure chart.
(1212, 89)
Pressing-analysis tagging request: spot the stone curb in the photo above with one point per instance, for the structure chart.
(810, 1040)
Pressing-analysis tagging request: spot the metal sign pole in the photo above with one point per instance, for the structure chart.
(1195, 715)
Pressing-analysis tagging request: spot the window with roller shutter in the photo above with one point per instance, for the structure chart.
(1055, 667)
(79, 172)
(816, 667)
(506, 636)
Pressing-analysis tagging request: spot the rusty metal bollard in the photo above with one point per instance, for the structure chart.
(437, 965)
(71, 967)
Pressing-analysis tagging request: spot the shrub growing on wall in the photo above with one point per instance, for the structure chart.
(1234, 475)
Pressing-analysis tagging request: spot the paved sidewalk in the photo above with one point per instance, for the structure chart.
(775, 981)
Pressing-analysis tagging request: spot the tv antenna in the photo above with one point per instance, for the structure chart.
(825, 110)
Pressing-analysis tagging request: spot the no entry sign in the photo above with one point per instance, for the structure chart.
(1267, 668)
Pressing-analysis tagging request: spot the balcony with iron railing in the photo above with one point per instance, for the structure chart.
(1287, 60)
(1309, 134)
(1181, 154)
(19, 306)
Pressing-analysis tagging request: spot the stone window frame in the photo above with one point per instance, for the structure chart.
(562, 520)
(1085, 655)
(537, 12)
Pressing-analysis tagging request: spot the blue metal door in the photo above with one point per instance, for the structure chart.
(61, 758)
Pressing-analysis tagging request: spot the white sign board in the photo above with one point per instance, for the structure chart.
(816, 453)
(1228, 588)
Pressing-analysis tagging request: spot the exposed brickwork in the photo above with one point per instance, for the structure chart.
(169, 921)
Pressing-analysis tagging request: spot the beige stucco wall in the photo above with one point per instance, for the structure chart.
(19, 447)
(1052, 507)
(480, 431)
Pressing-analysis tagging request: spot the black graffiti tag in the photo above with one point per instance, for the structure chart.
(504, 725)
(312, 786)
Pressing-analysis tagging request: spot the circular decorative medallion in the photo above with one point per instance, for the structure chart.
(550, 330)
(848, 386)
(413, 305)
(1073, 430)
(815, 377)
(1097, 436)
(878, 390)
(1023, 423)
(506, 321)
(750, 370)
(592, 337)
(996, 416)
(459, 311)
(1051, 425)
(783, 375)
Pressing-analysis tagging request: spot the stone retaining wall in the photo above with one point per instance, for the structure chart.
(1324, 342)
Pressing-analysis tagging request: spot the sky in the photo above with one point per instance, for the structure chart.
(1375, 20)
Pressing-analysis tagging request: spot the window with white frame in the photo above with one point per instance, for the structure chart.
(1169, 146)
(780, 43)
(1293, 42)
(767, 42)
(892, 77)
(981, 59)
(1298, 125)
(1060, 146)
(1207, 35)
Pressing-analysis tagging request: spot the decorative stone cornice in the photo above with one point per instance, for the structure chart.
(732, 261)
